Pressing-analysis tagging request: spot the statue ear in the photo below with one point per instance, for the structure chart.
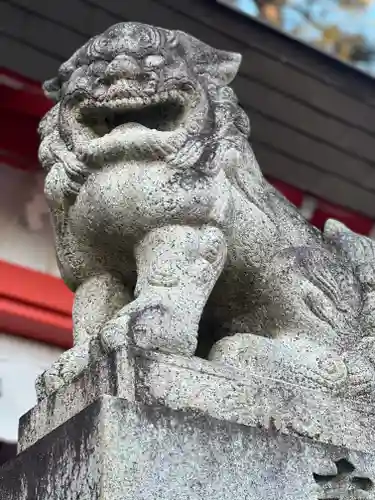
(219, 66)
(224, 67)
(52, 89)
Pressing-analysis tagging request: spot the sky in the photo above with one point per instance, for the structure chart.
(361, 21)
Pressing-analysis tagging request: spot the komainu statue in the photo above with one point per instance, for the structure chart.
(169, 235)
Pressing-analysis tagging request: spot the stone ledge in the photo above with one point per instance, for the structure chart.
(218, 391)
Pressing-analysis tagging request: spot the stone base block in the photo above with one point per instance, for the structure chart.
(222, 392)
(117, 450)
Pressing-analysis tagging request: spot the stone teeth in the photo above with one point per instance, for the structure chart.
(118, 101)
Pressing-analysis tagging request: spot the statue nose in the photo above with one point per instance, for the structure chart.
(123, 66)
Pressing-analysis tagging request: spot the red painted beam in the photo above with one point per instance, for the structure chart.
(293, 194)
(37, 324)
(22, 104)
(19, 138)
(24, 101)
(14, 79)
(22, 94)
(32, 287)
(35, 305)
(356, 222)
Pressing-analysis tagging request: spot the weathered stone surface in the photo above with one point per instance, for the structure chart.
(219, 391)
(118, 450)
(162, 218)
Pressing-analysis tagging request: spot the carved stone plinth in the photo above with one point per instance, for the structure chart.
(119, 450)
(141, 425)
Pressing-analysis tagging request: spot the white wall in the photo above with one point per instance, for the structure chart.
(26, 240)
(26, 234)
(21, 361)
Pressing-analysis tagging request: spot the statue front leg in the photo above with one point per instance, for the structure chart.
(177, 267)
(96, 301)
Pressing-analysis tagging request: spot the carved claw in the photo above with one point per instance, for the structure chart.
(147, 323)
(361, 368)
(187, 155)
(144, 322)
(361, 376)
(68, 367)
(115, 334)
(367, 348)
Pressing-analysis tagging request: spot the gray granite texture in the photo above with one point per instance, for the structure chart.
(169, 234)
(115, 450)
(219, 391)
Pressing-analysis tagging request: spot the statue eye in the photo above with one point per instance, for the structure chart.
(154, 61)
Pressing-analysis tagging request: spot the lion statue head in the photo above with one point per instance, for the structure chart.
(139, 92)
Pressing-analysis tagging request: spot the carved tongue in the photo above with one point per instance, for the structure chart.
(129, 127)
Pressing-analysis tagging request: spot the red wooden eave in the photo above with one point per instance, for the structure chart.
(35, 305)
(22, 104)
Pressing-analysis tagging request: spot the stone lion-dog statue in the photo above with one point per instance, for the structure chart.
(169, 235)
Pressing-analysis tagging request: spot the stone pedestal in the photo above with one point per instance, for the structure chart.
(142, 426)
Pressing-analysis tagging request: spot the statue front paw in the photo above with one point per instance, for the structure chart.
(148, 323)
(67, 368)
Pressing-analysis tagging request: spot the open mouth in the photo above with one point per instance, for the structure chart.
(151, 126)
(161, 113)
